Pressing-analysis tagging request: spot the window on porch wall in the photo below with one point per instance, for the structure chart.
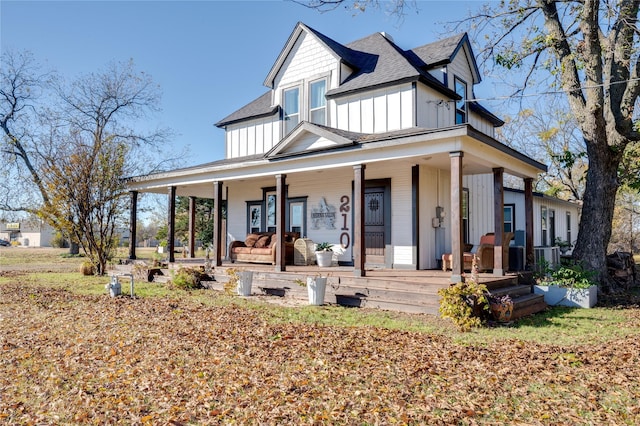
(569, 227)
(465, 215)
(509, 218)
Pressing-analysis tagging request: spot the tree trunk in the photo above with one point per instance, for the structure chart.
(597, 212)
(74, 248)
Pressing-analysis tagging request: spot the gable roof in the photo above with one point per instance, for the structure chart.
(376, 62)
(442, 52)
(339, 51)
(260, 107)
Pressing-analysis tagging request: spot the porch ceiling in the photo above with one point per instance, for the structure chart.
(429, 148)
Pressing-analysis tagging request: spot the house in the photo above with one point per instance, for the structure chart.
(366, 145)
(31, 232)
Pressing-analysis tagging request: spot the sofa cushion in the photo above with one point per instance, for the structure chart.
(263, 241)
(263, 251)
(241, 249)
(251, 240)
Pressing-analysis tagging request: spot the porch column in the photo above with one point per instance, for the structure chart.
(456, 216)
(498, 218)
(133, 218)
(171, 227)
(192, 227)
(528, 223)
(217, 223)
(358, 220)
(280, 223)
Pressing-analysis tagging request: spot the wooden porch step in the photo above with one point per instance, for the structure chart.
(406, 293)
(513, 291)
(527, 305)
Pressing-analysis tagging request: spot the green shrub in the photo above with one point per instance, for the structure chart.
(573, 276)
(464, 304)
(187, 278)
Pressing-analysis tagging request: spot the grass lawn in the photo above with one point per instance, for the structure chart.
(72, 355)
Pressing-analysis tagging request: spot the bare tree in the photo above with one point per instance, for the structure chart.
(588, 49)
(550, 134)
(73, 143)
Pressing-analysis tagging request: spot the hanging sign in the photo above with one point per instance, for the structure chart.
(323, 216)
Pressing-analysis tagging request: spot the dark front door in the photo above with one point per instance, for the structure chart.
(374, 224)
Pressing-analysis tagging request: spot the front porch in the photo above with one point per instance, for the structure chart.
(411, 291)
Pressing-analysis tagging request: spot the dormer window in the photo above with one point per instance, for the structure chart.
(291, 109)
(461, 104)
(318, 102)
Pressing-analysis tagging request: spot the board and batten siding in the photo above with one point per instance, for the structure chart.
(434, 110)
(378, 111)
(252, 137)
(480, 205)
(435, 191)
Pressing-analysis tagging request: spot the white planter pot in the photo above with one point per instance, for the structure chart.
(324, 258)
(316, 287)
(245, 279)
(578, 298)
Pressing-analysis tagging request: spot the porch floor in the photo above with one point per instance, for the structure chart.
(413, 291)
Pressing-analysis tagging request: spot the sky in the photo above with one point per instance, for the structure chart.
(209, 57)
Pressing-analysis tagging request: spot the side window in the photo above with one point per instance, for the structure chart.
(461, 105)
(509, 218)
(318, 102)
(569, 238)
(543, 225)
(465, 215)
(291, 109)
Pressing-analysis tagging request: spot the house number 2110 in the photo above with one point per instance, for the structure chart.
(345, 239)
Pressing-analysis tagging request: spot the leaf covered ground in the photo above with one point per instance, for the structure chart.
(67, 358)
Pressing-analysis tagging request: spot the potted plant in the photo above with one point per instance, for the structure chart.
(501, 307)
(316, 287)
(568, 285)
(324, 254)
(564, 245)
(239, 281)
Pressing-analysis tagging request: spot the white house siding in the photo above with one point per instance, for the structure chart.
(561, 208)
(308, 60)
(461, 68)
(480, 205)
(253, 137)
(481, 124)
(401, 209)
(238, 193)
(335, 187)
(381, 110)
(435, 191)
(431, 112)
(330, 184)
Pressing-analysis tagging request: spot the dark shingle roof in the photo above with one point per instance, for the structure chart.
(439, 52)
(381, 63)
(260, 107)
(377, 62)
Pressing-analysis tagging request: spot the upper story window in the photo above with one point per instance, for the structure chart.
(318, 102)
(461, 105)
(291, 109)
